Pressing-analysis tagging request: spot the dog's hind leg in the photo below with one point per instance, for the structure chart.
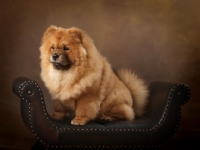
(119, 112)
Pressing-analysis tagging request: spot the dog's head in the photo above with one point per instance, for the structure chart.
(64, 48)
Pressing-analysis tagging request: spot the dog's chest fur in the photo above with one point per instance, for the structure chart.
(64, 86)
(60, 83)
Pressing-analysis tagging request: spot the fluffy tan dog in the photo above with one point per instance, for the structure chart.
(80, 79)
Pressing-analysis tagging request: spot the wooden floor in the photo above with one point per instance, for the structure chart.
(15, 136)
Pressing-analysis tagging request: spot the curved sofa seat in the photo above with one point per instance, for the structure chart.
(152, 130)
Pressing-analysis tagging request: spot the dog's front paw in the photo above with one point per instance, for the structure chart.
(79, 121)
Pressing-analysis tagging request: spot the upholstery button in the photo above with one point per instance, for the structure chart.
(29, 92)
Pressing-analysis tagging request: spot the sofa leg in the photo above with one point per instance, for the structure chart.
(38, 146)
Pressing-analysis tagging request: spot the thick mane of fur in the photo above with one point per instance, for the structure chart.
(76, 79)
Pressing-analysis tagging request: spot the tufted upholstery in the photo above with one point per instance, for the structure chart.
(153, 130)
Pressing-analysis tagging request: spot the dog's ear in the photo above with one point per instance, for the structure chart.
(76, 33)
(81, 37)
(49, 31)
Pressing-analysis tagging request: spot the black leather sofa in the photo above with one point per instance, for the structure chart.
(153, 130)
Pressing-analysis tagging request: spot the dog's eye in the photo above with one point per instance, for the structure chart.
(66, 48)
(52, 48)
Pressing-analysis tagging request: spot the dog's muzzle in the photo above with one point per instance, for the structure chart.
(60, 66)
(60, 62)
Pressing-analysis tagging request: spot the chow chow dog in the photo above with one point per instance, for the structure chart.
(82, 81)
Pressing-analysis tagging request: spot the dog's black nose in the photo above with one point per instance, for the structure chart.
(55, 56)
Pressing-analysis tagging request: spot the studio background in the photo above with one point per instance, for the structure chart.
(159, 40)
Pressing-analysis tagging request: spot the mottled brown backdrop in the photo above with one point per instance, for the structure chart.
(158, 39)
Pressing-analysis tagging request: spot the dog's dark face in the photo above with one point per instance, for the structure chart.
(59, 57)
(63, 48)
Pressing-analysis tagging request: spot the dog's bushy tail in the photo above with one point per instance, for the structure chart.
(139, 90)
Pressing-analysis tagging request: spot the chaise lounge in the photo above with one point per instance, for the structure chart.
(152, 130)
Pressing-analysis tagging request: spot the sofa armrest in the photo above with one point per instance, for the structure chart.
(33, 109)
(163, 95)
(164, 107)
